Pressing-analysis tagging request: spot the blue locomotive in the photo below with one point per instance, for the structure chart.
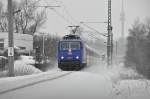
(71, 53)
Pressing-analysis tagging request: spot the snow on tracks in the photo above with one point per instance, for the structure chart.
(14, 83)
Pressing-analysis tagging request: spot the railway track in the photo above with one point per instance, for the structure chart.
(27, 82)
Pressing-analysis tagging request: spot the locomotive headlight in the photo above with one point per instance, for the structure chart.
(77, 57)
(62, 57)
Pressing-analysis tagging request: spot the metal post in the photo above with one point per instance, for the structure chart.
(43, 47)
(122, 19)
(110, 36)
(116, 48)
(10, 39)
(111, 61)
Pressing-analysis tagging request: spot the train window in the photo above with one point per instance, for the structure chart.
(64, 45)
(75, 45)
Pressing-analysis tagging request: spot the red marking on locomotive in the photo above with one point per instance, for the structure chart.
(69, 51)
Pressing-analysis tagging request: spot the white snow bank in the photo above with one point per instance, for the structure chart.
(115, 72)
(101, 82)
(27, 59)
(15, 78)
(127, 83)
(119, 72)
(76, 85)
(12, 83)
(132, 89)
(23, 66)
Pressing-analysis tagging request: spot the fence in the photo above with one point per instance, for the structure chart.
(3, 61)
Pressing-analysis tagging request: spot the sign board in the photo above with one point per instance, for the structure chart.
(10, 51)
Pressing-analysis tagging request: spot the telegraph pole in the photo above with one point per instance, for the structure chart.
(10, 39)
(122, 19)
(110, 36)
(43, 45)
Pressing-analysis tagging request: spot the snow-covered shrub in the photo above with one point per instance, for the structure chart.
(23, 66)
(138, 47)
(118, 72)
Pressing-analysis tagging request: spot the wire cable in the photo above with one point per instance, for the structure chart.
(62, 16)
(101, 34)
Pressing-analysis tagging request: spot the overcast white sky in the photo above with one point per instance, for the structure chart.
(74, 11)
(96, 10)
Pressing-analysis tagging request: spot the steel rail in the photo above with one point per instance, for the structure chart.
(35, 82)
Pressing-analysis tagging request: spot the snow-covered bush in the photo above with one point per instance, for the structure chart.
(118, 72)
(23, 66)
(138, 47)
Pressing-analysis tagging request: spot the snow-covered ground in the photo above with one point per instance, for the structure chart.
(23, 66)
(126, 83)
(96, 81)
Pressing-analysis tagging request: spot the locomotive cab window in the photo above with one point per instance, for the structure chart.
(75, 45)
(64, 45)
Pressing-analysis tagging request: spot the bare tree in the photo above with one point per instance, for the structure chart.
(3, 19)
(38, 21)
(27, 17)
(30, 17)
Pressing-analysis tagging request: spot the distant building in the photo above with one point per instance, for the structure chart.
(21, 41)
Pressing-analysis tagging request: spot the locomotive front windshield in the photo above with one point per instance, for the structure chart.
(73, 45)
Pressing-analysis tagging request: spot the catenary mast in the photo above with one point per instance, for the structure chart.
(122, 19)
(110, 37)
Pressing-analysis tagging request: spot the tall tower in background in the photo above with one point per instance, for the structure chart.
(122, 19)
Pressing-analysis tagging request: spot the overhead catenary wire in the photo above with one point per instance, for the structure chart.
(62, 16)
(73, 21)
(64, 8)
(91, 35)
(68, 14)
(96, 31)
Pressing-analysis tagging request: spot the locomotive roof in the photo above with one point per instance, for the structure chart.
(71, 38)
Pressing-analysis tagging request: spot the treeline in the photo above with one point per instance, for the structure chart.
(138, 48)
(27, 18)
(50, 45)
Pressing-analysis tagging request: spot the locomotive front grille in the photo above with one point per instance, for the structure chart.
(70, 65)
(70, 62)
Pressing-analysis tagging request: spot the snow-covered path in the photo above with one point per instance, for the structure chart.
(77, 85)
(94, 82)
